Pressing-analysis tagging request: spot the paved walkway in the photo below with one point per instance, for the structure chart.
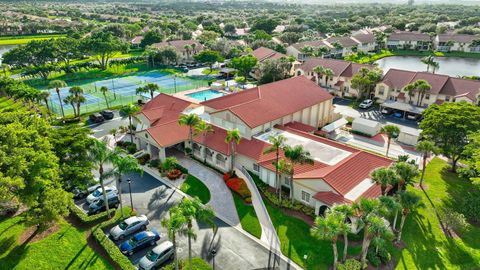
(221, 198)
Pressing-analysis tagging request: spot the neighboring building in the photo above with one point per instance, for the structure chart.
(136, 41)
(293, 107)
(457, 42)
(409, 41)
(179, 45)
(340, 83)
(262, 54)
(342, 46)
(366, 42)
(295, 49)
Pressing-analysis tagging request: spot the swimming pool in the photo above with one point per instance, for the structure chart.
(206, 95)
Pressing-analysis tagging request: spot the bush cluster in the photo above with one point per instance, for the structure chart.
(154, 163)
(174, 174)
(197, 264)
(238, 186)
(130, 147)
(377, 258)
(143, 159)
(84, 218)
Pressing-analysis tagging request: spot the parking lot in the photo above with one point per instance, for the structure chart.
(235, 250)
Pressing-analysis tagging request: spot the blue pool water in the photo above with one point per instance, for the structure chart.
(206, 95)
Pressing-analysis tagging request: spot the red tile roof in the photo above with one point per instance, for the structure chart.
(346, 42)
(315, 43)
(163, 109)
(461, 38)
(300, 126)
(272, 101)
(409, 36)
(339, 67)
(168, 134)
(365, 38)
(263, 54)
(137, 40)
(397, 78)
(330, 198)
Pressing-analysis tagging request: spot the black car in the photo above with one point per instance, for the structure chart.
(96, 118)
(99, 206)
(107, 114)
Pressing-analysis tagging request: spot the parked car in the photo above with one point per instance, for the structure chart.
(139, 241)
(80, 193)
(99, 206)
(107, 114)
(98, 193)
(129, 226)
(157, 256)
(412, 116)
(387, 111)
(367, 103)
(96, 118)
(398, 114)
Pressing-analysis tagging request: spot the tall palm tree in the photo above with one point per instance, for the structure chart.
(44, 95)
(190, 120)
(391, 131)
(123, 164)
(347, 211)
(428, 60)
(70, 99)
(329, 228)
(57, 84)
(435, 66)
(203, 128)
(104, 91)
(296, 155)
(328, 72)
(188, 50)
(99, 155)
(410, 90)
(194, 210)
(320, 71)
(113, 132)
(130, 111)
(406, 173)
(232, 139)
(278, 142)
(409, 202)
(77, 92)
(384, 176)
(151, 88)
(423, 88)
(427, 148)
(393, 206)
(175, 224)
(283, 168)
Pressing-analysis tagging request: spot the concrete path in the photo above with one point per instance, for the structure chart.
(221, 198)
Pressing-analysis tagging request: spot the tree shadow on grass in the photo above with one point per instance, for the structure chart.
(72, 261)
(17, 253)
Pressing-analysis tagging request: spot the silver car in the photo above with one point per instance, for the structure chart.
(157, 256)
(94, 196)
(128, 226)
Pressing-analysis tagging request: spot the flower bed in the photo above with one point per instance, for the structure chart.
(238, 186)
(174, 174)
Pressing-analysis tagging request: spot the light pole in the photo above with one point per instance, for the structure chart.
(120, 193)
(130, 190)
(175, 82)
(213, 252)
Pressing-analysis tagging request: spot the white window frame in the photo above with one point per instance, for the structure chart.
(256, 167)
(306, 196)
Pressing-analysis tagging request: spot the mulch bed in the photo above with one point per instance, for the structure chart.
(31, 234)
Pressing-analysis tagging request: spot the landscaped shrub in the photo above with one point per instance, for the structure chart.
(350, 264)
(130, 147)
(197, 264)
(181, 168)
(84, 218)
(470, 206)
(174, 174)
(453, 220)
(226, 176)
(143, 159)
(239, 186)
(360, 133)
(373, 258)
(248, 200)
(154, 163)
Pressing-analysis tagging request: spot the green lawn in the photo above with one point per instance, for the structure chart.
(369, 59)
(296, 241)
(65, 249)
(196, 188)
(17, 40)
(248, 217)
(427, 247)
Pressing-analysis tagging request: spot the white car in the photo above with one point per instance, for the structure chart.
(367, 103)
(94, 196)
(128, 226)
(157, 256)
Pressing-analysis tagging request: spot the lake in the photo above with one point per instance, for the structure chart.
(453, 66)
(4, 49)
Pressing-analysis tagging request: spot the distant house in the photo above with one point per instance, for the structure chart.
(409, 41)
(457, 42)
(295, 49)
(342, 46)
(366, 41)
(136, 41)
(262, 54)
(340, 83)
(179, 45)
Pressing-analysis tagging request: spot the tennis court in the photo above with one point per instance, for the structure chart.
(122, 90)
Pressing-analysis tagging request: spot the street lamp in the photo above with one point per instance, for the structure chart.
(213, 252)
(130, 190)
(175, 82)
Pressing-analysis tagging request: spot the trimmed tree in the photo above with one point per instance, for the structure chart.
(130, 111)
(232, 139)
(104, 91)
(427, 148)
(190, 120)
(409, 202)
(406, 174)
(296, 155)
(203, 128)
(278, 142)
(392, 131)
(384, 176)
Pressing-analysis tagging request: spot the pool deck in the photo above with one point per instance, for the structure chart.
(183, 95)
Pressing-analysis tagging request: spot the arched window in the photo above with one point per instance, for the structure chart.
(299, 73)
(322, 210)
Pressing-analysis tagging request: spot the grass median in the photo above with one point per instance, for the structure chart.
(196, 188)
(248, 217)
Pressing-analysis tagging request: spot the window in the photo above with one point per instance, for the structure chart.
(381, 90)
(454, 99)
(305, 196)
(427, 97)
(447, 98)
(256, 167)
(287, 181)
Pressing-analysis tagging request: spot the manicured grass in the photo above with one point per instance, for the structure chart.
(17, 40)
(196, 188)
(296, 241)
(248, 217)
(207, 71)
(371, 58)
(427, 247)
(65, 249)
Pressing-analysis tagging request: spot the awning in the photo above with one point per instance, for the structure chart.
(402, 106)
(335, 125)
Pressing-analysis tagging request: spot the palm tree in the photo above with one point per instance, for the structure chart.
(104, 91)
(175, 224)
(130, 111)
(123, 164)
(188, 50)
(57, 84)
(278, 142)
(384, 176)
(391, 131)
(113, 132)
(435, 66)
(296, 155)
(190, 120)
(194, 210)
(283, 168)
(99, 155)
(392, 204)
(320, 71)
(77, 92)
(410, 89)
(347, 212)
(203, 128)
(70, 99)
(409, 202)
(329, 228)
(328, 72)
(233, 138)
(44, 95)
(428, 60)
(423, 88)
(427, 148)
(406, 173)
(151, 88)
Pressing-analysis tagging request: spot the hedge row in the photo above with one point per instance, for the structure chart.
(197, 264)
(89, 220)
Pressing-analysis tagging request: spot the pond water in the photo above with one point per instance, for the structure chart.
(453, 66)
(4, 49)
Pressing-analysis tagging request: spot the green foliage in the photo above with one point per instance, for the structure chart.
(86, 219)
(366, 80)
(272, 70)
(151, 37)
(470, 205)
(248, 216)
(350, 264)
(453, 220)
(244, 64)
(154, 163)
(208, 57)
(197, 264)
(103, 45)
(196, 188)
(266, 24)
